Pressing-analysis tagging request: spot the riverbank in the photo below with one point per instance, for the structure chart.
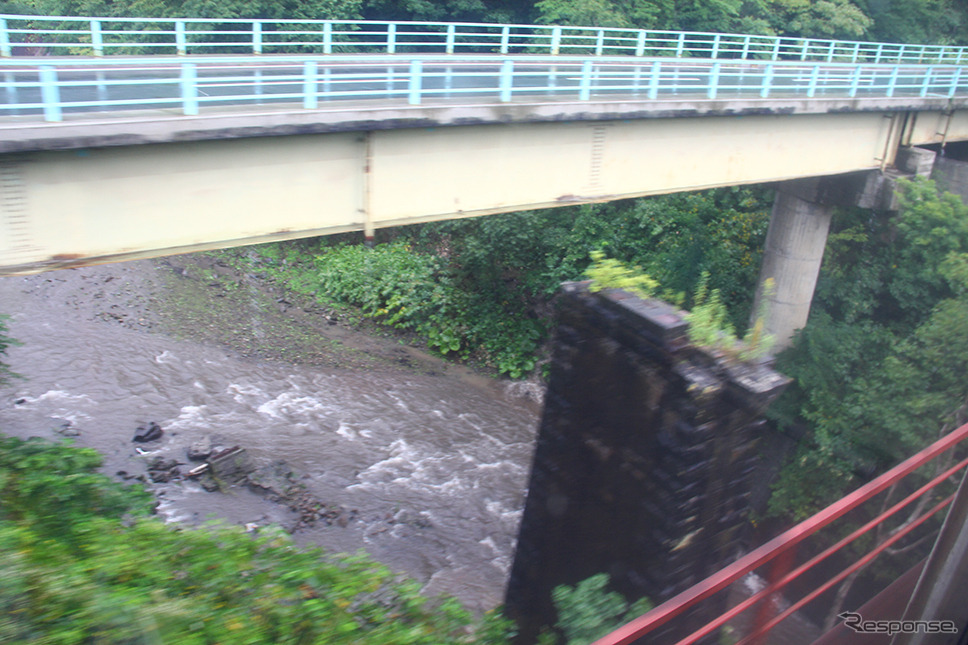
(427, 459)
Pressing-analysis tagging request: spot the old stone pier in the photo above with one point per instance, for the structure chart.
(644, 458)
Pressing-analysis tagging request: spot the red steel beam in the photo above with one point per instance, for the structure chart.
(715, 583)
(809, 564)
(860, 564)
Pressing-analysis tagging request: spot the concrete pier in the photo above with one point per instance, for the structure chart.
(792, 256)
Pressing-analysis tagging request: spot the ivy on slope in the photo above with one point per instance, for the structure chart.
(479, 289)
(409, 290)
(81, 562)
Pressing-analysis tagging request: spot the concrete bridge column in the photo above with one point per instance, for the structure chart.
(797, 236)
(792, 256)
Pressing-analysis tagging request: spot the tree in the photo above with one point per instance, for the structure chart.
(879, 367)
(917, 21)
(824, 19)
(443, 10)
(593, 13)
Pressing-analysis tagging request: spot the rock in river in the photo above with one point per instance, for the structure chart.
(147, 433)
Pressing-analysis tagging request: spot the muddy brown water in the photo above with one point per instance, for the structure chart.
(433, 458)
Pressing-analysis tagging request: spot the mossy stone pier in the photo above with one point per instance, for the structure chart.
(643, 462)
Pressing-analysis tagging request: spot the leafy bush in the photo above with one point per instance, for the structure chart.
(74, 569)
(589, 611)
(608, 273)
(5, 343)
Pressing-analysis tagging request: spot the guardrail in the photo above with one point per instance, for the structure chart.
(98, 36)
(50, 88)
(779, 551)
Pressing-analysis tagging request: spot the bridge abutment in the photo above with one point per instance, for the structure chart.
(644, 458)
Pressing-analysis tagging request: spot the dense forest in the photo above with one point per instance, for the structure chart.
(878, 371)
(912, 21)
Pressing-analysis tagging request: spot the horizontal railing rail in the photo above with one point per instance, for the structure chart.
(778, 552)
(50, 88)
(99, 36)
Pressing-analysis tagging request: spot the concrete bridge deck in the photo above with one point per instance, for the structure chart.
(122, 157)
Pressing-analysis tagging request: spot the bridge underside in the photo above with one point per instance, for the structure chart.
(71, 207)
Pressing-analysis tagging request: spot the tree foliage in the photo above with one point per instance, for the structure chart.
(879, 367)
(914, 21)
(5, 343)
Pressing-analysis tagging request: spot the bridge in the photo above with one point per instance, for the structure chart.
(282, 133)
(124, 138)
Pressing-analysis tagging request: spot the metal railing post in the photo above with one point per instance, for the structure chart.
(892, 82)
(814, 77)
(600, 42)
(392, 38)
(50, 93)
(954, 82)
(413, 96)
(328, 38)
(102, 88)
(257, 85)
(746, 48)
(181, 44)
(854, 56)
(256, 37)
(5, 49)
(505, 39)
(97, 42)
(640, 43)
(451, 38)
(805, 50)
(507, 80)
(9, 82)
(715, 50)
(310, 85)
(767, 82)
(585, 87)
(927, 81)
(776, 49)
(654, 79)
(189, 89)
(854, 82)
(713, 88)
(878, 52)
(555, 40)
(680, 44)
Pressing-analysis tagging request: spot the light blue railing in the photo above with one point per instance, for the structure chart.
(98, 36)
(50, 88)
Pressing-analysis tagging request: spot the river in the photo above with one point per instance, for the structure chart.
(428, 460)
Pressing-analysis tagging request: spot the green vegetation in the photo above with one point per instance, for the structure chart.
(879, 368)
(609, 273)
(480, 290)
(5, 343)
(914, 21)
(589, 611)
(80, 562)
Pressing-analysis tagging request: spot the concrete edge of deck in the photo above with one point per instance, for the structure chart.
(167, 126)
